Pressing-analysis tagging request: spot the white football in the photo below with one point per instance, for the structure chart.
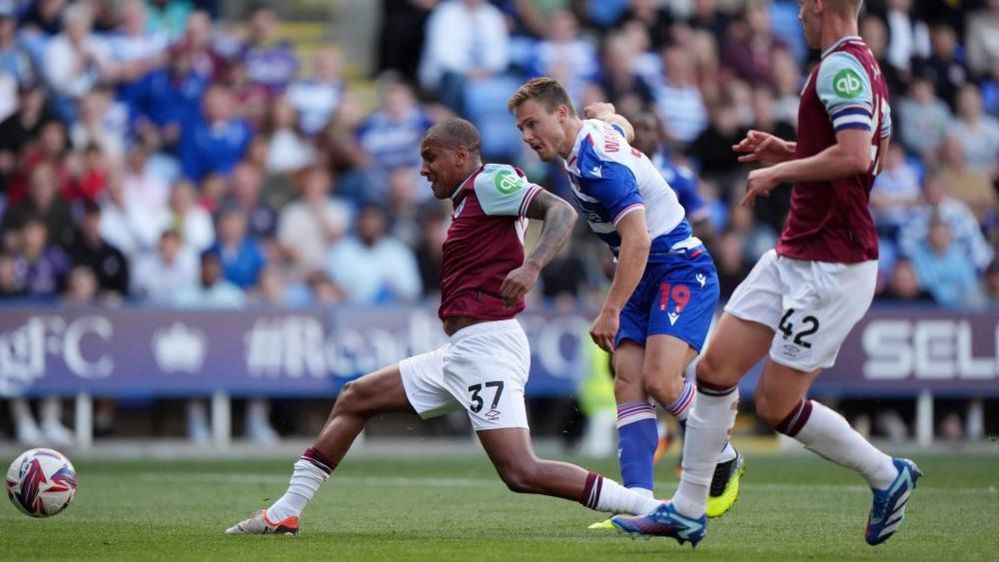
(41, 482)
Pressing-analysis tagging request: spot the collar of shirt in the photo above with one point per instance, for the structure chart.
(840, 42)
(461, 187)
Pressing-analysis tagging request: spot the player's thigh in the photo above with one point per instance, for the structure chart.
(779, 391)
(736, 345)
(628, 359)
(824, 301)
(486, 370)
(666, 358)
(380, 391)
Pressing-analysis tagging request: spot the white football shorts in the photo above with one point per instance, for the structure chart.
(811, 306)
(483, 369)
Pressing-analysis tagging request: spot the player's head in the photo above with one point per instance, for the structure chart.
(542, 107)
(814, 14)
(450, 153)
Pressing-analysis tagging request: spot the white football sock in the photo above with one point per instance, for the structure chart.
(305, 482)
(708, 425)
(828, 434)
(604, 494)
(643, 492)
(727, 454)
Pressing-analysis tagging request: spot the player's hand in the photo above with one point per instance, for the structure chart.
(604, 330)
(762, 147)
(759, 184)
(599, 110)
(518, 283)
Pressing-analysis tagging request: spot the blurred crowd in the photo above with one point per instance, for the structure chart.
(155, 154)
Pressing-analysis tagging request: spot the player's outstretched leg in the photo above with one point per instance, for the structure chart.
(378, 392)
(637, 428)
(666, 358)
(511, 453)
(780, 403)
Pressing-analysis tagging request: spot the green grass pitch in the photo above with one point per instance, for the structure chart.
(793, 507)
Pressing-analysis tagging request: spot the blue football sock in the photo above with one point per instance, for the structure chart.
(637, 440)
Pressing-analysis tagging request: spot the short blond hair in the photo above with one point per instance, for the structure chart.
(544, 89)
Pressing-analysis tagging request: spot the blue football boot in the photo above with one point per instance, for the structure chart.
(665, 521)
(889, 504)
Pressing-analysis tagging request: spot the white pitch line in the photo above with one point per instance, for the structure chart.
(448, 482)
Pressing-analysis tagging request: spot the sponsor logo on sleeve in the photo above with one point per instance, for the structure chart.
(847, 84)
(508, 182)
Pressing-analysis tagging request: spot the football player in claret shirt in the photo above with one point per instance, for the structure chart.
(484, 366)
(798, 304)
(657, 311)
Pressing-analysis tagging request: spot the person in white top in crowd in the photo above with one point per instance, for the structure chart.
(126, 226)
(979, 133)
(908, 37)
(158, 276)
(75, 60)
(192, 222)
(102, 121)
(310, 224)
(145, 191)
(465, 40)
(289, 150)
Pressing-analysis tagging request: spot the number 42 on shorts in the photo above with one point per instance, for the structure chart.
(810, 325)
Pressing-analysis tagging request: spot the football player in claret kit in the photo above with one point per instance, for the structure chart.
(801, 300)
(659, 307)
(484, 366)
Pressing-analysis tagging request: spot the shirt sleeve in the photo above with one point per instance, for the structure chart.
(845, 90)
(504, 190)
(611, 183)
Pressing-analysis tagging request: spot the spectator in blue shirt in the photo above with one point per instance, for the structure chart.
(565, 54)
(944, 270)
(217, 140)
(170, 97)
(391, 136)
(373, 267)
(240, 255)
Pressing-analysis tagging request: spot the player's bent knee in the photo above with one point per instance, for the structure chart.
(518, 477)
(353, 399)
(663, 385)
(713, 370)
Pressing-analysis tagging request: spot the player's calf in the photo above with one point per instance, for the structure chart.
(781, 414)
